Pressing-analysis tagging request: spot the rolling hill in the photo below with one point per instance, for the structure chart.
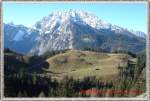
(80, 64)
(72, 63)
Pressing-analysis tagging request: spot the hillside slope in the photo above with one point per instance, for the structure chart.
(15, 63)
(79, 64)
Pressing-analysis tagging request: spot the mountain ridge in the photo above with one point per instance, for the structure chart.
(68, 30)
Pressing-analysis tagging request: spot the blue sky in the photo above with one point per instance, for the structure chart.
(127, 15)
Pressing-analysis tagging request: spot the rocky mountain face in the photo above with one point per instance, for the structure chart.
(19, 38)
(72, 29)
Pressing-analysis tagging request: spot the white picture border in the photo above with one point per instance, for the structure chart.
(78, 98)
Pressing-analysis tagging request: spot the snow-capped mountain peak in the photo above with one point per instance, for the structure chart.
(71, 29)
(57, 18)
